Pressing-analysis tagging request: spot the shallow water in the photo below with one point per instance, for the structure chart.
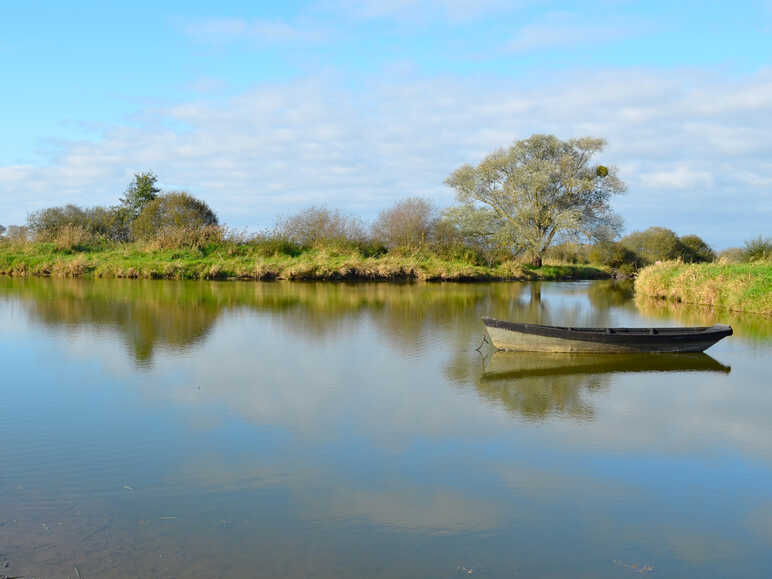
(171, 429)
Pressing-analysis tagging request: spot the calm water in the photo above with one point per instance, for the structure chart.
(162, 429)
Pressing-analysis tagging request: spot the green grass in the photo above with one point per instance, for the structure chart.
(231, 261)
(745, 287)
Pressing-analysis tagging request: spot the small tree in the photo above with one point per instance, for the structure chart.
(173, 210)
(2, 230)
(139, 193)
(654, 244)
(695, 250)
(542, 188)
(408, 224)
(759, 249)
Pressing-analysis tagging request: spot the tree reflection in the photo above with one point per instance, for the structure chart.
(537, 385)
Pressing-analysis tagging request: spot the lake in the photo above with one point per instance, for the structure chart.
(174, 429)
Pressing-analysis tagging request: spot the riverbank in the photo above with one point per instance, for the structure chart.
(133, 262)
(743, 287)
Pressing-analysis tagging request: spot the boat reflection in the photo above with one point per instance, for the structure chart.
(512, 365)
(540, 386)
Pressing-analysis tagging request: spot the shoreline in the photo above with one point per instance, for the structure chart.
(743, 287)
(319, 265)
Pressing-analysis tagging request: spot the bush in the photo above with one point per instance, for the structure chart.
(18, 234)
(318, 227)
(273, 244)
(568, 252)
(460, 235)
(186, 237)
(109, 223)
(654, 244)
(174, 215)
(759, 249)
(2, 230)
(616, 256)
(407, 225)
(72, 237)
(732, 255)
(695, 250)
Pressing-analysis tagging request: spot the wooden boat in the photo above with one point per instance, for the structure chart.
(536, 338)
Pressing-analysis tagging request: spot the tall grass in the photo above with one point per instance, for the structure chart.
(739, 287)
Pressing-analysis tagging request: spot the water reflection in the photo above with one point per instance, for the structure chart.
(745, 325)
(539, 385)
(318, 429)
(178, 315)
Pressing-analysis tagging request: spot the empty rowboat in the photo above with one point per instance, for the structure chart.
(536, 338)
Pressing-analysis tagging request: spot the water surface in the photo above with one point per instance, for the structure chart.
(172, 429)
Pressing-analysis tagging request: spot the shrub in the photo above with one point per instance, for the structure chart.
(732, 255)
(759, 249)
(72, 237)
(274, 244)
(408, 224)
(695, 250)
(18, 234)
(616, 256)
(318, 226)
(2, 230)
(186, 237)
(568, 252)
(654, 244)
(174, 215)
(109, 223)
(465, 236)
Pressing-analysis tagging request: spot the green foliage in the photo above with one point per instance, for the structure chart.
(742, 287)
(568, 252)
(409, 224)
(474, 231)
(172, 211)
(654, 244)
(662, 244)
(98, 222)
(274, 245)
(542, 188)
(2, 230)
(617, 257)
(759, 249)
(695, 250)
(139, 193)
(732, 255)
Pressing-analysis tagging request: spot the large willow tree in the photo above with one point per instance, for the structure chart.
(539, 190)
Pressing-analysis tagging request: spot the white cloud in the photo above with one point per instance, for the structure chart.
(454, 10)
(563, 30)
(277, 148)
(226, 30)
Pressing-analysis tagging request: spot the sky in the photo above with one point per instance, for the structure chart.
(265, 108)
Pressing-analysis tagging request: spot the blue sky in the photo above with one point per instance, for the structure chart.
(265, 108)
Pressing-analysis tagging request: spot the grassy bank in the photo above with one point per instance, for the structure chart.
(243, 262)
(740, 287)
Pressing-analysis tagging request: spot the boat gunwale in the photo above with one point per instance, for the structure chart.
(614, 335)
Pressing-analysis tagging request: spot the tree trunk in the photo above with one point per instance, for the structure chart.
(536, 261)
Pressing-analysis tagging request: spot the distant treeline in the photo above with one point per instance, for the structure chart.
(155, 220)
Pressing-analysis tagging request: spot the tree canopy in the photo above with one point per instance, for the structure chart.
(139, 193)
(538, 190)
(172, 210)
(408, 224)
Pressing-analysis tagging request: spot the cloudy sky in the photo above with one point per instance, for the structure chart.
(262, 109)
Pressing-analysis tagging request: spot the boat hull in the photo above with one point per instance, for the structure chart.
(535, 338)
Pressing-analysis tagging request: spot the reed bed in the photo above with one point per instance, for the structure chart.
(742, 287)
(221, 260)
